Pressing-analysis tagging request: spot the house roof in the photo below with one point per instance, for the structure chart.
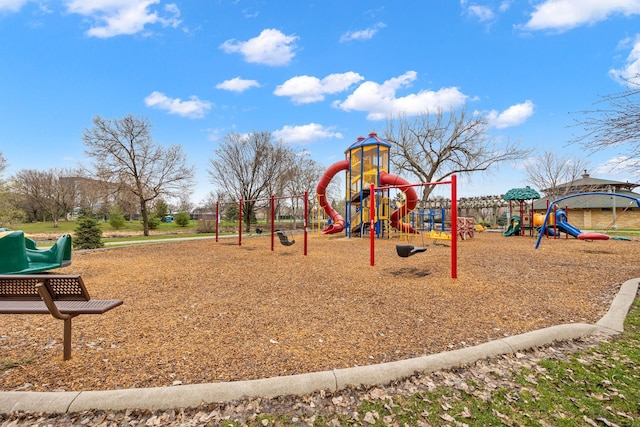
(592, 201)
(586, 183)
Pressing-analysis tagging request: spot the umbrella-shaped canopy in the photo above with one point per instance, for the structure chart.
(521, 194)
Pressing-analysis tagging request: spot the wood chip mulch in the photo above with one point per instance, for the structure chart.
(200, 311)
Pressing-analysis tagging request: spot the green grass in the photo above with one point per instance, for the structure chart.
(624, 233)
(69, 227)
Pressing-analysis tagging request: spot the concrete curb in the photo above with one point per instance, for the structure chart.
(162, 398)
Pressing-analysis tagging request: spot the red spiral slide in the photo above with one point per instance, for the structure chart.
(412, 201)
(337, 224)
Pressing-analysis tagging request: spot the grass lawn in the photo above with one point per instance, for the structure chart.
(130, 227)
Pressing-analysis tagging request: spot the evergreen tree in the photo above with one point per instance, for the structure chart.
(182, 218)
(88, 232)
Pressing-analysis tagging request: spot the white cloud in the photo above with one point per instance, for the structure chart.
(631, 70)
(504, 6)
(237, 84)
(271, 47)
(512, 116)
(618, 166)
(118, 17)
(12, 6)
(563, 15)
(308, 89)
(194, 108)
(482, 13)
(380, 100)
(365, 34)
(306, 134)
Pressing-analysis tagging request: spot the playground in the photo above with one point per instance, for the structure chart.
(203, 311)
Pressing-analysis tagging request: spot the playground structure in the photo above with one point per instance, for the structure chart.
(367, 200)
(558, 223)
(515, 226)
(367, 162)
(284, 240)
(19, 254)
(560, 218)
(518, 224)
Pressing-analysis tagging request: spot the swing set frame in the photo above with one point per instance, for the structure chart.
(454, 218)
(271, 199)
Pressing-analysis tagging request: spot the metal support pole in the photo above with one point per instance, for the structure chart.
(67, 339)
(372, 222)
(306, 219)
(217, 218)
(240, 223)
(273, 214)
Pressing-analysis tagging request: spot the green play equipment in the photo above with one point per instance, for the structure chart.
(514, 227)
(19, 255)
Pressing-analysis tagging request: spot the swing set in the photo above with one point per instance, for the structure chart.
(284, 240)
(282, 237)
(407, 250)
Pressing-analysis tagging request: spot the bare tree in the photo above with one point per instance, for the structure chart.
(616, 125)
(434, 146)
(125, 154)
(303, 176)
(45, 192)
(247, 167)
(9, 210)
(550, 171)
(3, 163)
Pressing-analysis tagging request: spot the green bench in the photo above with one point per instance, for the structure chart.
(62, 296)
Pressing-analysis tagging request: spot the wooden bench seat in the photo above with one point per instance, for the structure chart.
(62, 296)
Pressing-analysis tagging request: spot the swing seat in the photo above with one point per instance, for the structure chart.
(284, 239)
(406, 251)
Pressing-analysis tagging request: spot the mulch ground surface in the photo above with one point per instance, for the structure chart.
(200, 311)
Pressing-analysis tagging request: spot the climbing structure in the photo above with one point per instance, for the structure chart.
(367, 162)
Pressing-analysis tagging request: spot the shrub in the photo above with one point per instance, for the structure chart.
(206, 226)
(88, 233)
(154, 222)
(116, 217)
(182, 218)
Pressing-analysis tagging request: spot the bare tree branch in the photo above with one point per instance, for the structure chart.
(125, 154)
(434, 146)
(617, 125)
(249, 167)
(550, 172)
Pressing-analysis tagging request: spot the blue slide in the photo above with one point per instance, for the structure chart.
(564, 226)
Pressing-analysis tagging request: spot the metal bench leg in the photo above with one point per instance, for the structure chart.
(67, 339)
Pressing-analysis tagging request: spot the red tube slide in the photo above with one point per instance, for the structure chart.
(412, 201)
(337, 224)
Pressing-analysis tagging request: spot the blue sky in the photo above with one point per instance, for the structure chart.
(317, 74)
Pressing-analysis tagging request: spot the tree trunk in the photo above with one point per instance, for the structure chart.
(145, 217)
